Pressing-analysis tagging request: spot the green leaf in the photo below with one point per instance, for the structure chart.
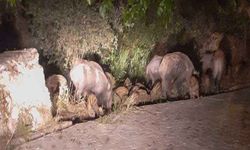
(12, 3)
(89, 2)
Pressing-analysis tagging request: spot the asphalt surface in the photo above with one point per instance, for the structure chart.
(219, 122)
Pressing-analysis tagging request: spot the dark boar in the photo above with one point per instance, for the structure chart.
(214, 64)
(175, 70)
(152, 70)
(89, 78)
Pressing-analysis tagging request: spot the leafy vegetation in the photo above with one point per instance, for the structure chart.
(136, 44)
(143, 22)
(138, 10)
(128, 63)
(12, 3)
(119, 63)
(62, 37)
(138, 61)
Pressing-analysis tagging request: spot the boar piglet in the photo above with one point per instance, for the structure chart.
(89, 78)
(175, 70)
(152, 70)
(56, 84)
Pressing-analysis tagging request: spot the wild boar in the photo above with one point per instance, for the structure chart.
(89, 78)
(56, 84)
(175, 70)
(152, 70)
(214, 64)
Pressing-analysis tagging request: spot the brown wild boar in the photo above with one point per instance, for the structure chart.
(89, 78)
(214, 63)
(175, 70)
(152, 70)
(56, 84)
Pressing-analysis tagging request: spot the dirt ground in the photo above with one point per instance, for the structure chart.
(217, 122)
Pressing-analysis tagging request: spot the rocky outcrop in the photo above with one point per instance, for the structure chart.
(23, 90)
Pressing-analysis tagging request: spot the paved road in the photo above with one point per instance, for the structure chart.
(220, 122)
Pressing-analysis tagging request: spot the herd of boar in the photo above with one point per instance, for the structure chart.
(175, 70)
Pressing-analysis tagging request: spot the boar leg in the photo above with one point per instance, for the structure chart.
(152, 84)
(102, 101)
(217, 85)
(179, 86)
(149, 84)
(108, 105)
(206, 84)
(164, 88)
(191, 90)
(77, 92)
(170, 85)
(167, 86)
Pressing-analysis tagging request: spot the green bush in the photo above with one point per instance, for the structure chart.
(128, 63)
(138, 10)
(135, 45)
(119, 63)
(11, 3)
(137, 63)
